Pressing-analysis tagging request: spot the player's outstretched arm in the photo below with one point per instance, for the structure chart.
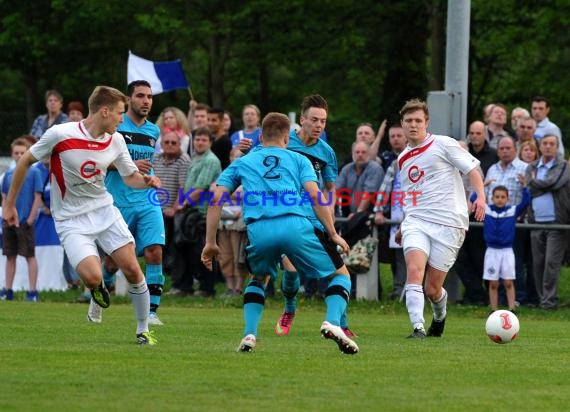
(139, 180)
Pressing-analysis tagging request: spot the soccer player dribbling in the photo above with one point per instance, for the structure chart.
(83, 211)
(274, 230)
(433, 230)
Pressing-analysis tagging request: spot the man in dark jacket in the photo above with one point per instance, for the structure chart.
(479, 146)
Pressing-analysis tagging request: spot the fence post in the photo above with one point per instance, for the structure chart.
(367, 283)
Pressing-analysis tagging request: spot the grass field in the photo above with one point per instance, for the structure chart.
(51, 359)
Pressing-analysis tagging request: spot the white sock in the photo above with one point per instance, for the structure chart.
(440, 307)
(141, 304)
(415, 305)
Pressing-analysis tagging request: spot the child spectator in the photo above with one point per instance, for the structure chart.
(499, 233)
(20, 239)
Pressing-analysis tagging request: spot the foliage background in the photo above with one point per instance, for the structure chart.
(365, 57)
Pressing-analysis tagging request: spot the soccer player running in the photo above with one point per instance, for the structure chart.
(275, 181)
(83, 211)
(143, 217)
(314, 112)
(436, 220)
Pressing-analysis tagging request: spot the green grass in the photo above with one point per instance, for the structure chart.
(51, 359)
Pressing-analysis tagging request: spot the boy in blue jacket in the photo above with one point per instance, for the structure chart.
(499, 233)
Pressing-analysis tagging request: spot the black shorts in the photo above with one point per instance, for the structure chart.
(330, 248)
(18, 240)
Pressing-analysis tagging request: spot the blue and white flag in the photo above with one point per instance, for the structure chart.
(162, 76)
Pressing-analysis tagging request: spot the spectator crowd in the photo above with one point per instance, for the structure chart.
(522, 162)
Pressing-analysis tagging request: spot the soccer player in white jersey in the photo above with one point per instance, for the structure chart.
(435, 213)
(80, 153)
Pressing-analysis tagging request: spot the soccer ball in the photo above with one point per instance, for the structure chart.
(502, 326)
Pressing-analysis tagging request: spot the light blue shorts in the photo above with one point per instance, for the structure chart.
(289, 235)
(146, 224)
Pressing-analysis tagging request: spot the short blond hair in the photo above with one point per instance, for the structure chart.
(275, 126)
(105, 96)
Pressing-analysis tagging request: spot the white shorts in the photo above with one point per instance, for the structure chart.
(80, 235)
(499, 264)
(440, 243)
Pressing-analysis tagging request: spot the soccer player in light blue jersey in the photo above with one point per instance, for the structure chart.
(143, 217)
(276, 183)
(307, 142)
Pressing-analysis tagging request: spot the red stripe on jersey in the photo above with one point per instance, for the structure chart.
(80, 144)
(72, 144)
(57, 172)
(413, 153)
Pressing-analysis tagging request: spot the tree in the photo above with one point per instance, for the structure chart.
(365, 57)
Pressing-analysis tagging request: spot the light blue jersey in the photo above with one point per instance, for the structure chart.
(143, 218)
(323, 159)
(272, 180)
(277, 230)
(140, 141)
(321, 156)
(273, 209)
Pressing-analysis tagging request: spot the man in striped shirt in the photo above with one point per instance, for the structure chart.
(171, 166)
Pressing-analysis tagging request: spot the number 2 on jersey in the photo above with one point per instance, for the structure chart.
(271, 162)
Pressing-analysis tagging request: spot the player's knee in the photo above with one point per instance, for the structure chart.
(110, 265)
(92, 280)
(432, 293)
(133, 272)
(153, 254)
(415, 273)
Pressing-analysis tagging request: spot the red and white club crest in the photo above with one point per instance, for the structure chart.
(89, 169)
(415, 174)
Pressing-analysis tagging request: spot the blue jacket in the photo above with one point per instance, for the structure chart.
(500, 222)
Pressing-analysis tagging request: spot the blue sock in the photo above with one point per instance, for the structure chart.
(343, 320)
(290, 286)
(155, 282)
(109, 278)
(336, 299)
(253, 303)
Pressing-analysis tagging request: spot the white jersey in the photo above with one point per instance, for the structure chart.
(431, 170)
(78, 165)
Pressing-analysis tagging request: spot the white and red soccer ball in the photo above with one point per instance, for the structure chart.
(502, 326)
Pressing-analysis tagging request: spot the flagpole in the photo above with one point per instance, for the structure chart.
(190, 93)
